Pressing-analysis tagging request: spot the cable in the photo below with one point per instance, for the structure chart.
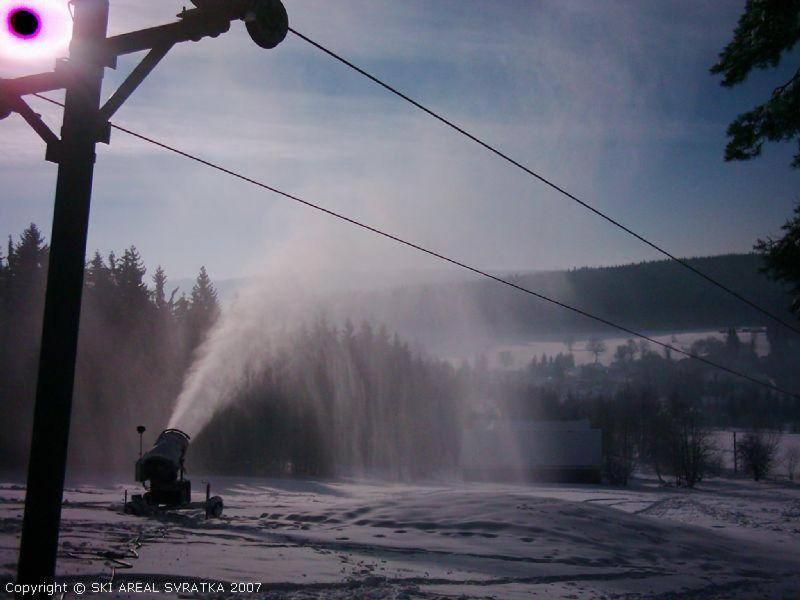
(544, 180)
(442, 257)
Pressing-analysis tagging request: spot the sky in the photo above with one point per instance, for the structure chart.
(611, 100)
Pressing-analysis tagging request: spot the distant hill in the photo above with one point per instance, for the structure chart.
(651, 296)
(345, 280)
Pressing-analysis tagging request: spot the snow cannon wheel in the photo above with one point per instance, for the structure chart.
(214, 507)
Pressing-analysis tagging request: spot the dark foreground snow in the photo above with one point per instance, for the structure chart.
(307, 539)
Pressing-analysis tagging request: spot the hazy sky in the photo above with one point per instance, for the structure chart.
(612, 100)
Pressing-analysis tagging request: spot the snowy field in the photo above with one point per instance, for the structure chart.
(523, 352)
(308, 539)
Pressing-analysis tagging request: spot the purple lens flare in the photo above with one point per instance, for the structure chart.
(34, 30)
(24, 22)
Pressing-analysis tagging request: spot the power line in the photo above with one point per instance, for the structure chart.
(546, 181)
(442, 257)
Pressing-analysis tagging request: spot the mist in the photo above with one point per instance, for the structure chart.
(284, 357)
(303, 338)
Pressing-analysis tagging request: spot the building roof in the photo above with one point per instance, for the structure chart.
(507, 444)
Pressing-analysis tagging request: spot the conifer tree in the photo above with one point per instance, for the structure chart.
(159, 294)
(766, 34)
(203, 308)
(98, 277)
(27, 265)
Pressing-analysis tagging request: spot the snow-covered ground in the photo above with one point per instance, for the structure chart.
(304, 539)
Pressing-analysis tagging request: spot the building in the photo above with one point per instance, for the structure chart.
(556, 451)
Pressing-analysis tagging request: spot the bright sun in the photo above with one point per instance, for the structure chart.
(34, 29)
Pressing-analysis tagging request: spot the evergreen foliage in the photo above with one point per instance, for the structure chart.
(335, 402)
(647, 296)
(782, 257)
(356, 399)
(134, 347)
(767, 31)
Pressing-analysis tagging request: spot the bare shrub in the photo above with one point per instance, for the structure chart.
(694, 453)
(619, 428)
(680, 443)
(758, 452)
(791, 460)
(619, 460)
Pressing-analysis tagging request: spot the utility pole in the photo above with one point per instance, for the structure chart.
(85, 123)
(51, 419)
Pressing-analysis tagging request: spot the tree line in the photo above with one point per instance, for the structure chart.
(765, 36)
(660, 411)
(135, 343)
(653, 295)
(332, 400)
(344, 399)
(341, 400)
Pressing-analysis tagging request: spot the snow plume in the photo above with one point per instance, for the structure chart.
(234, 352)
(320, 272)
(304, 392)
(244, 340)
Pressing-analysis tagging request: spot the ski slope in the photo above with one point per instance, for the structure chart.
(338, 539)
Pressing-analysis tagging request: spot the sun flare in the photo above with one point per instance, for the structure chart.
(34, 29)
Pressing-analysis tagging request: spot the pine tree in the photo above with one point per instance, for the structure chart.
(159, 293)
(98, 277)
(132, 295)
(767, 32)
(31, 252)
(129, 274)
(23, 302)
(782, 257)
(3, 287)
(165, 308)
(181, 309)
(203, 308)
(27, 272)
(204, 295)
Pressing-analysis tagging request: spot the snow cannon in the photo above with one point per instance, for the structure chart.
(161, 470)
(163, 467)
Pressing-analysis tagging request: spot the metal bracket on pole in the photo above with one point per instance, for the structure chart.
(133, 80)
(34, 119)
(194, 26)
(34, 84)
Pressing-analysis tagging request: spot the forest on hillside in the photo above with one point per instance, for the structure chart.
(335, 398)
(650, 296)
(135, 343)
(138, 340)
(342, 400)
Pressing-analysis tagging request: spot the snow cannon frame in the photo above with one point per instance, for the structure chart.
(163, 467)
